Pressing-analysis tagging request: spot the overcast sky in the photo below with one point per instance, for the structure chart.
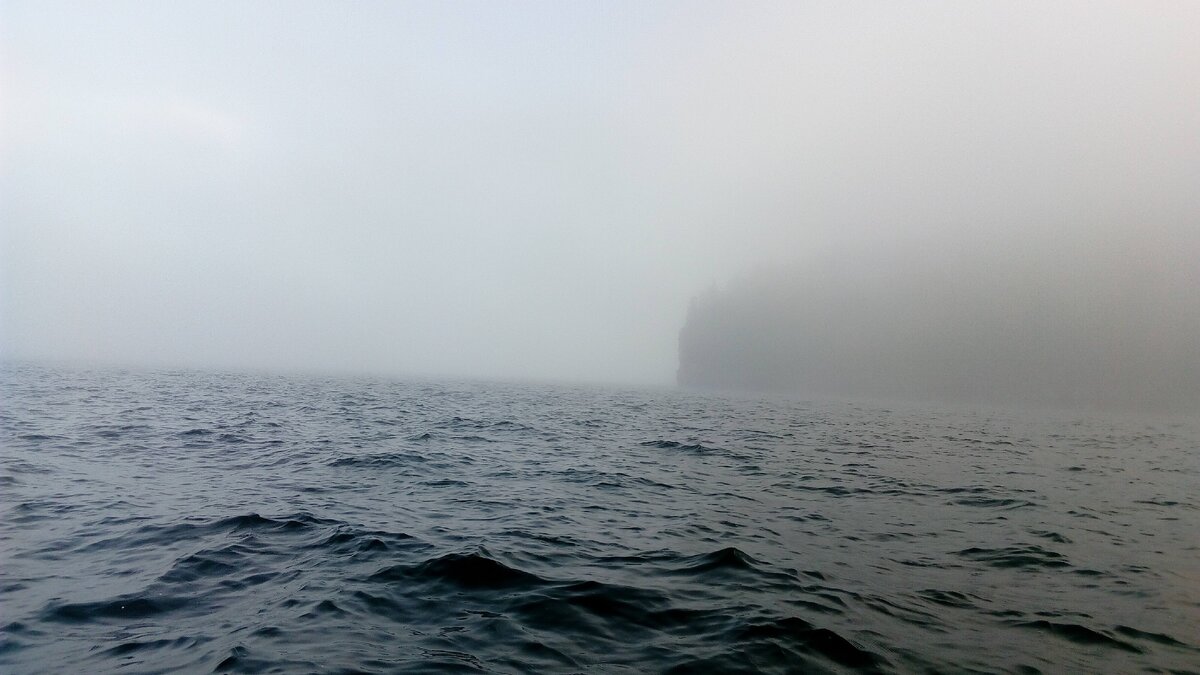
(537, 189)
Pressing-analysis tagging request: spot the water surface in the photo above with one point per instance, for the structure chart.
(160, 521)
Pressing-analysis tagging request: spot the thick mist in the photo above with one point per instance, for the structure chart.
(943, 199)
(1095, 329)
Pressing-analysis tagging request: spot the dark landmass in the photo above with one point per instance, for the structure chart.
(1040, 336)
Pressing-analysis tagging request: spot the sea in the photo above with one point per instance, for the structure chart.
(184, 521)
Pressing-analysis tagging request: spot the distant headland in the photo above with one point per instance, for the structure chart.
(984, 337)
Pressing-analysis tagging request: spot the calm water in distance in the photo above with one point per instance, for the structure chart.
(163, 521)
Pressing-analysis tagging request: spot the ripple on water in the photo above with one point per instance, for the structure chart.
(204, 522)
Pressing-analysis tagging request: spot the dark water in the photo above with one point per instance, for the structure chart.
(164, 521)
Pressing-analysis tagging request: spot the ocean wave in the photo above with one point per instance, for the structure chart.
(246, 524)
(1029, 556)
(120, 609)
(464, 570)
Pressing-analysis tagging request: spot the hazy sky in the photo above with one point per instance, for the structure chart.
(536, 189)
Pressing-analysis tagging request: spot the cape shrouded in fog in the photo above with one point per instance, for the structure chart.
(1117, 327)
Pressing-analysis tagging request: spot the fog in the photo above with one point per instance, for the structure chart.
(1052, 335)
(539, 190)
